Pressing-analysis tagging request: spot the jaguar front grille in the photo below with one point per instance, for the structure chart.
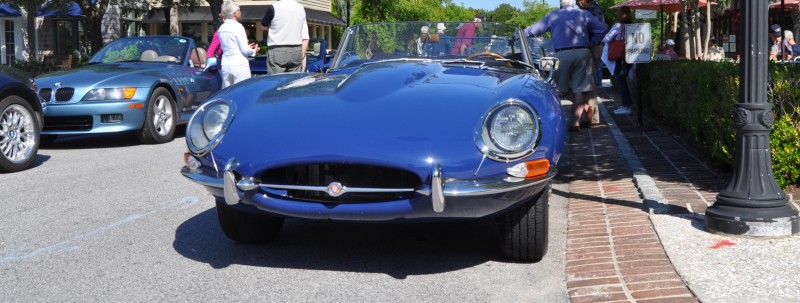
(370, 183)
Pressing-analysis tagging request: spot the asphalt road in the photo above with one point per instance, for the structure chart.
(104, 218)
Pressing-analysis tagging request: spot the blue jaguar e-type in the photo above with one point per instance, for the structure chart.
(146, 85)
(400, 128)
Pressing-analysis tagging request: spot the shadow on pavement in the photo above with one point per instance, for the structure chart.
(110, 140)
(398, 250)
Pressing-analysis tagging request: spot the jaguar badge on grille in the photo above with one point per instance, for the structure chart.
(335, 189)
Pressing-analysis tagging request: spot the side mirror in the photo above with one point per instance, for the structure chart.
(211, 64)
(548, 64)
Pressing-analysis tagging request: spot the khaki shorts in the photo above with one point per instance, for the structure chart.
(575, 72)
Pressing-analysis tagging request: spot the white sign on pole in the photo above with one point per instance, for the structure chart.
(638, 43)
(646, 14)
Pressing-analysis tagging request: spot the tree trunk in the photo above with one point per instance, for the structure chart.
(173, 21)
(216, 9)
(708, 27)
(30, 33)
(686, 41)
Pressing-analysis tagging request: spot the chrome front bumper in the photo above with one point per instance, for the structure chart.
(438, 189)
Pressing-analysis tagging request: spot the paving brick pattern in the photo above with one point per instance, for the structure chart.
(613, 253)
(683, 180)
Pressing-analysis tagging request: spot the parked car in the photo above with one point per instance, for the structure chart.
(20, 120)
(147, 85)
(387, 138)
(318, 59)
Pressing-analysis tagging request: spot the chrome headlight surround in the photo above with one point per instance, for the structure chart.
(529, 131)
(208, 125)
(109, 94)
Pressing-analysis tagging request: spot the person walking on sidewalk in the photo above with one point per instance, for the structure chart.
(573, 30)
(597, 50)
(620, 67)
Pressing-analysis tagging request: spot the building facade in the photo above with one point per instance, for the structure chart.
(59, 35)
(198, 23)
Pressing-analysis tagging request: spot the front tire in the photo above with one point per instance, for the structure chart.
(160, 119)
(19, 134)
(247, 227)
(524, 230)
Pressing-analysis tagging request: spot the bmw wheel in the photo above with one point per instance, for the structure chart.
(19, 134)
(160, 120)
(525, 229)
(247, 227)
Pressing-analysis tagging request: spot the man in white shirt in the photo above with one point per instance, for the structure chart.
(235, 49)
(287, 30)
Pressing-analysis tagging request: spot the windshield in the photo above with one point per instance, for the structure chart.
(441, 41)
(144, 49)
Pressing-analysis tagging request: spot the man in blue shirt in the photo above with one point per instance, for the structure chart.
(573, 31)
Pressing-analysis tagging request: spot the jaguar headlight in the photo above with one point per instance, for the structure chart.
(115, 93)
(509, 131)
(208, 125)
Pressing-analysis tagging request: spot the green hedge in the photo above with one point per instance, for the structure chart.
(698, 97)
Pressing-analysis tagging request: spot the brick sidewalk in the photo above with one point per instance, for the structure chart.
(613, 251)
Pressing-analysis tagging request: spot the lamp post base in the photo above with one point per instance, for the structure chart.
(755, 222)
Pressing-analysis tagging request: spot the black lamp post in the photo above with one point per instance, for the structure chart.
(753, 204)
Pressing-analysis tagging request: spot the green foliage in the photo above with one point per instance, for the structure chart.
(130, 52)
(533, 11)
(502, 13)
(34, 67)
(785, 144)
(682, 95)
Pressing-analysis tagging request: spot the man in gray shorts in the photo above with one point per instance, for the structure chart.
(285, 23)
(571, 40)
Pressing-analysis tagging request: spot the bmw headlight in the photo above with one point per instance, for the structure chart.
(510, 131)
(115, 93)
(208, 125)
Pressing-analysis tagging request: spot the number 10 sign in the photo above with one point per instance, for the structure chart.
(638, 43)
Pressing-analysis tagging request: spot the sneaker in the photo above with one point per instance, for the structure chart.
(623, 111)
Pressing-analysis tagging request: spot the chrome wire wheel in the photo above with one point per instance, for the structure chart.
(17, 134)
(162, 116)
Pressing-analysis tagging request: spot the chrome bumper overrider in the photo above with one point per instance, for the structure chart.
(438, 189)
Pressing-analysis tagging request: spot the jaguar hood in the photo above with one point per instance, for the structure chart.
(395, 114)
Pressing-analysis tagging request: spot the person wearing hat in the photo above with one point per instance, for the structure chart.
(669, 49)
(776, 49)
(444, 45)
(464, 42)
(791, 47)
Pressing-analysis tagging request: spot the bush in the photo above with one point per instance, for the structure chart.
(698, 98)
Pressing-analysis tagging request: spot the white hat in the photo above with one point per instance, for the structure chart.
(440, 26)
(670, 42)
